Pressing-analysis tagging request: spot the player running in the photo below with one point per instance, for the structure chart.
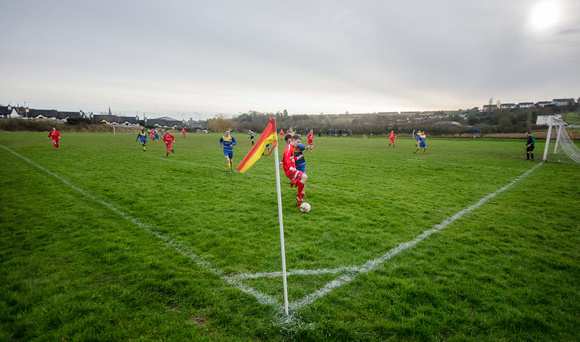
(297, 177)
(310, 137)
(168, 139)
(392, 139)
(421, 137)
(183, 132)
(251, 135)
(143, 137)
(417, 138)
(157, 135)
(228, 143)
(55, 135)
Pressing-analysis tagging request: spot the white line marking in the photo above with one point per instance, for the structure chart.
(374, 264)
(295, 272)
(179, 246)
(352, 271)
(420, 158)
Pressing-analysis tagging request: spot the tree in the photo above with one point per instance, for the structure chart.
(220, 124)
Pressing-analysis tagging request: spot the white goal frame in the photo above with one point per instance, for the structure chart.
(572, 152)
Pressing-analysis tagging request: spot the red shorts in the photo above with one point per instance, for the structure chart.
(168, 145)
(55, 140)
(392, 140)
(294, 176)
(311, 142)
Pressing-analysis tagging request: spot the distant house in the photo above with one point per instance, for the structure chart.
(64, 116)
(489, 108)
(508, 106)
(388, 113)
(111, 119)
(524, 105)
(165, 122)
(106, 119)
(562, 102)
(7, 111)
(543, 103)
(129, 120)
(42, 114)
(52, 114)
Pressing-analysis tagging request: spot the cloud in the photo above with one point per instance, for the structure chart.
(307, 57)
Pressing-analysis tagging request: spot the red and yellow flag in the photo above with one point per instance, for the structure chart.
(269, 135)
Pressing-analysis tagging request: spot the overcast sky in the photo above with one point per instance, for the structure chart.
(199, 58)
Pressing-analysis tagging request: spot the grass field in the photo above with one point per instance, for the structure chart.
(102, 241)
(572, 119)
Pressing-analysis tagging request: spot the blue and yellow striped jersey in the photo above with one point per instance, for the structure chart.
(227, 142)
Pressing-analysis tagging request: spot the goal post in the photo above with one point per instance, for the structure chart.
(564, 148)
(550, 124)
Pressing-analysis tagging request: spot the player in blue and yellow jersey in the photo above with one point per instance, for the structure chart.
(143, 137)
(416, 137)
(157, 135)
(299, 157)
(228, 143)
(421, 137)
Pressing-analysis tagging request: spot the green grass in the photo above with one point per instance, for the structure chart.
(79, 266)
(572, 118)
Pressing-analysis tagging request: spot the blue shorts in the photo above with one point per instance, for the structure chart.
(229, 154)
(301, 168)
(422, 144)
(156, 137)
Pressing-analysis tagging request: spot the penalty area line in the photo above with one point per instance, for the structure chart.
(372, 265)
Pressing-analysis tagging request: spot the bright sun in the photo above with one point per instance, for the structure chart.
(545, 15)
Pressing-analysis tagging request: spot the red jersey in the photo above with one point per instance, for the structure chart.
(310, 137)
(168, 138)
(392, 136)
(183, 131)
(288, 158)
(55, 135)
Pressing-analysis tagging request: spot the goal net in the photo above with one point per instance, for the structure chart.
(565, 150)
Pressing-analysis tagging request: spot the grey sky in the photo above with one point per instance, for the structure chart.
(303, 56)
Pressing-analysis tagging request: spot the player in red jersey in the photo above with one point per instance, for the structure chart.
(183, 132)
(281, 134)
(55, 135)
(298, 178)
(310, 137)
(392, 139)
(168, 139)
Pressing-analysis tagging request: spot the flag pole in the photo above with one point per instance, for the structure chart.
(280, 218)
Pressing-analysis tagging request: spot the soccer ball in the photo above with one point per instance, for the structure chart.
(304, 207)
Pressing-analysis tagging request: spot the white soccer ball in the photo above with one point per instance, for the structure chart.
(304, 207)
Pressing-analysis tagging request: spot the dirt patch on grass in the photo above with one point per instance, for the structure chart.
(197, 320)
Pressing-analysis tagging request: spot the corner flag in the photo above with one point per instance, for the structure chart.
(268, 136)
